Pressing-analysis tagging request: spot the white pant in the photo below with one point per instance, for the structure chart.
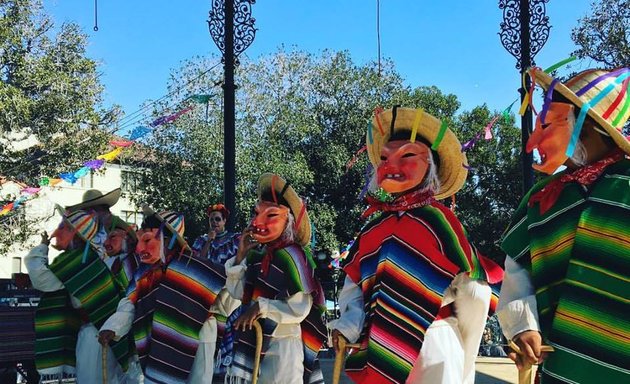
(283, 362)
(89, 367)
(450, 345)
(203, 366)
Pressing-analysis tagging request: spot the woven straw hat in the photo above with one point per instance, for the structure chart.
(284, 191)
(94, 197)
(84, 223)
(172, 221)
(605, 94)
(451, 171)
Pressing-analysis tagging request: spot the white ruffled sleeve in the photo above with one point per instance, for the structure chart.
(37, 266)
(350, 324)
(517, 309)
(120, 322)
(235, 282)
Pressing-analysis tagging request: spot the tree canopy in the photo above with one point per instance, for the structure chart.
(304, 116)
(604, 35)
(50, 98)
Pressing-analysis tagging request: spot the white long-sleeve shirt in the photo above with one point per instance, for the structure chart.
(288, 313)
(42, 278)
(517, 310)
(351, 322)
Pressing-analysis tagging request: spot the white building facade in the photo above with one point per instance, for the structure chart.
(42, 206)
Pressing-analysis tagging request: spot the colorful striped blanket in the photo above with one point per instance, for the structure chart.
(403, 263)
(289, 273)
(124, 268)
(170, 312)
(57, 323)
(578, 254)
(141, 292)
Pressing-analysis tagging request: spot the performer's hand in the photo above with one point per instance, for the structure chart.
(245, 244)
(211, 234)
(529, 342)
(45, 238)
(105, 336)
(246, 320)
(335, 339)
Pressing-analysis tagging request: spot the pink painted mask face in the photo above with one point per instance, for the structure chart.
(552, 138)
(403, 165)
(63, 236)
(269, 221)
(114, 242)
(149, 245)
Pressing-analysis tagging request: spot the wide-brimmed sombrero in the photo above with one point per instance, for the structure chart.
(452, 161)
(603, 93)
(94, 197)
(172, 221)
(271, 185)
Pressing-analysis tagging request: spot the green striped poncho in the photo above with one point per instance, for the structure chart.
(578, 255)
(57, 323)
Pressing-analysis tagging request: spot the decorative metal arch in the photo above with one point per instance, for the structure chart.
(511, 28)
(244, 31)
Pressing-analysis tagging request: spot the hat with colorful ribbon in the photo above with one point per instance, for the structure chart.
(274, 188)
(84, 223)
(172, 221)
(452, 161)
(598, 93)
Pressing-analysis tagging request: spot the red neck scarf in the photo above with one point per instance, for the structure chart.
(270, 249)
(409, 200)
(585, 176)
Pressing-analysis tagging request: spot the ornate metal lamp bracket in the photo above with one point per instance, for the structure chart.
(244, 31)
(511, 28)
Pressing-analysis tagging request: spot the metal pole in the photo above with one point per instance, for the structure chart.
(229, 160)
(526, 119)
(524, 31)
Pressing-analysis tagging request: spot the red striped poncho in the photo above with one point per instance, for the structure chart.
(403, 262)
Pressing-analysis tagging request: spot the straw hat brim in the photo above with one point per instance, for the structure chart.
(295, 204)
(109, 199)
(544, 80)
(451, 171)
(148, 211)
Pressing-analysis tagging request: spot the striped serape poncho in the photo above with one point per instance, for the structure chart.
(171, 313)
(57, 323)
(404, 261)
(289, 271)
(578, 256)
(124, 268)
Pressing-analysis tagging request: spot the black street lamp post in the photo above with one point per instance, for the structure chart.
(231, 26)
(524, 31)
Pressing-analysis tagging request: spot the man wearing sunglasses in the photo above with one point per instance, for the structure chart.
(218, 244)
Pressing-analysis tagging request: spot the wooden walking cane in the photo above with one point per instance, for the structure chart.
(104, 363)
(341, 357)
(259, 341)
(525, 374)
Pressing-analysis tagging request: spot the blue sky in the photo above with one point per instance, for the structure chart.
(451, 44)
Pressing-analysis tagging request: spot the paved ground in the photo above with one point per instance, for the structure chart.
(490, 370)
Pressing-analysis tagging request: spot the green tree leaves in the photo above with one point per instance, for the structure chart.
(304, 116)
(604, 35)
